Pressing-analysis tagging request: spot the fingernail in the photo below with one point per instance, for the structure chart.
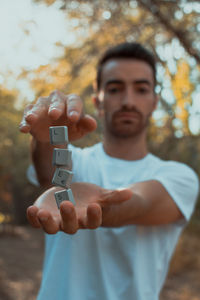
(43, 218)
(22, 124)
(73, 113)
(54, 108)
(67, 210)
(30, 113)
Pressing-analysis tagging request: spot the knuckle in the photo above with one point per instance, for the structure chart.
(43, 100)
(28, 107)
(54, 93)
(73, 97)
(56, 97)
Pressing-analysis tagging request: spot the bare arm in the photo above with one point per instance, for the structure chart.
(41, 157)
(146, 203)
(150, 204)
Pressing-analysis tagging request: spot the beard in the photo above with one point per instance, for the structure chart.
(126, 127)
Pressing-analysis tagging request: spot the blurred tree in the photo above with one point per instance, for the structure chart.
(15, 192)
(183, 22)
(182, 88)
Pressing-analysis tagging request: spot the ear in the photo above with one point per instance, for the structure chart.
(98, 105)
(95, 101)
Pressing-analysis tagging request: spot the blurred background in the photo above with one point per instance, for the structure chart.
(55, 44)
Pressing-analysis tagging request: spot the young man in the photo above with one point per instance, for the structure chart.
(136, 203)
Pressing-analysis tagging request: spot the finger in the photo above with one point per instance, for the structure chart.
(74, 106)
(57, 105)
(115, 196)
(32, 216)
(49, 224)
(94, 216)
(69, 222)
(85, 125)
(24, 125)
(38, 110)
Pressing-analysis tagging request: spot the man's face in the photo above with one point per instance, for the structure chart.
(126, 96)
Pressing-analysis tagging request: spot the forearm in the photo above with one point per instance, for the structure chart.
(125, 213)
(149, 205)
(42, 159)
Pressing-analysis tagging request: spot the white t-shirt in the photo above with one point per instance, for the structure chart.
(129, 262)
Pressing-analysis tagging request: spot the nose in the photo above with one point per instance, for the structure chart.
(128, 99)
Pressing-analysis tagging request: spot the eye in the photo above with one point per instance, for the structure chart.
(142, 90)
(113, 90)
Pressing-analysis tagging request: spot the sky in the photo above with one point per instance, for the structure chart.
(28, 33)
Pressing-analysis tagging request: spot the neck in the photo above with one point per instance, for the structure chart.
(132, 148)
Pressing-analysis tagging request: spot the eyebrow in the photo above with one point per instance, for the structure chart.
(137, 81)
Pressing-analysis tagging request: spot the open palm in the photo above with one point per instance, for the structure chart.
(92, 202)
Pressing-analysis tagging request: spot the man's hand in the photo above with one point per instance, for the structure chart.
(93, 209)
(56, 110)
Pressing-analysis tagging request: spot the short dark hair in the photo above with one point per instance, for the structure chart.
(126, 51)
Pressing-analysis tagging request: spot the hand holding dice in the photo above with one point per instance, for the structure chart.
(56, 109)
(62, 160)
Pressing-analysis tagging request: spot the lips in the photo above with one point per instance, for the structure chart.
(127, 115)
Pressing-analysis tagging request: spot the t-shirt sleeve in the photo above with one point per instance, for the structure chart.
(182, 184)
(31, 175)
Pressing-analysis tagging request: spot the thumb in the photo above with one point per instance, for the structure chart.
(115, 196)
(88, 123)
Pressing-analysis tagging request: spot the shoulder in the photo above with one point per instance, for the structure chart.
(181, 182)
(176, 175)
(172, 167)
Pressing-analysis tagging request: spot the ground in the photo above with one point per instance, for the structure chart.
(21, 256)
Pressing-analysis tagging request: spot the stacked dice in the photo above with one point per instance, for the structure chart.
(62, 160)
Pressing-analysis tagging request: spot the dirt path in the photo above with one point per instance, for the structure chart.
(183, 282)
(21, 257)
